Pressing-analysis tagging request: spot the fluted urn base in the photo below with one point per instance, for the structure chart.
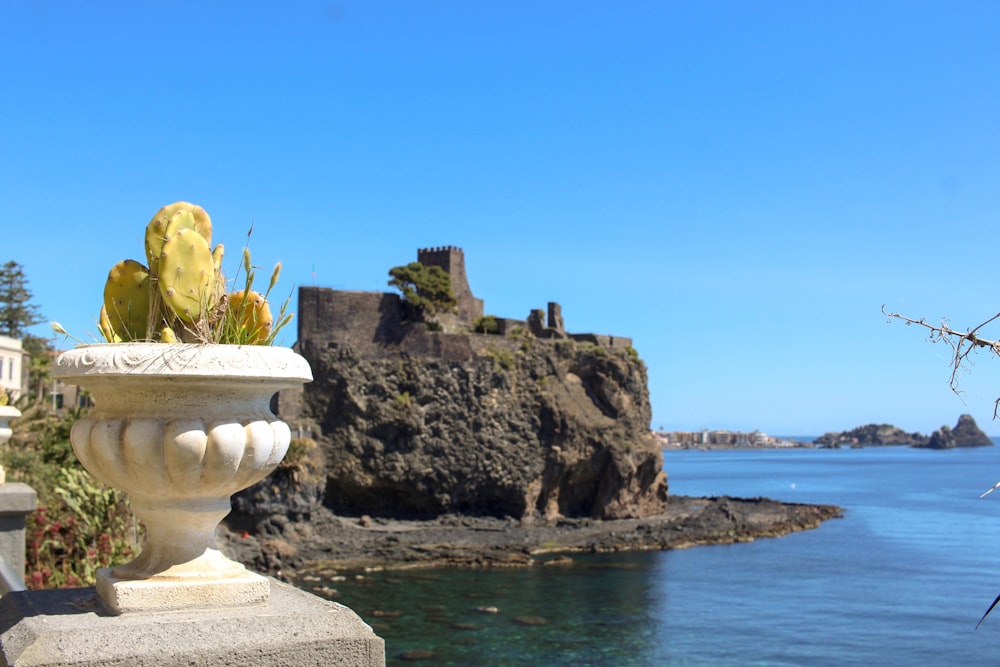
(180, 565)
(181, 428)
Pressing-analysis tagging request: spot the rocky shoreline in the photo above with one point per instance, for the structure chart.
(329, 543)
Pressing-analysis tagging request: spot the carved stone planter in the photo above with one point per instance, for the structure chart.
(7, 412)
(181, 428)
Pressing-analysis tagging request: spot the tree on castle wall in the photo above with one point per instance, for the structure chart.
(426, 288)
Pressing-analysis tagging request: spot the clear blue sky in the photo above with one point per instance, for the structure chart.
(739, 186)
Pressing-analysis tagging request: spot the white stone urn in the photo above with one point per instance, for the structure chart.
(7, 412)
(180, 428)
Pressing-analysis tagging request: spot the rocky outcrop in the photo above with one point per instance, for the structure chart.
(348, 545)
(872, 435)
(483, 425)
(965, 434)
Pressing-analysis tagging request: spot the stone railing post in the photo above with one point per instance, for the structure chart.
(17, 501)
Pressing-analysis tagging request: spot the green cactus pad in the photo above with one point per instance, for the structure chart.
(167, 221)
(126, 300)
(187, 275)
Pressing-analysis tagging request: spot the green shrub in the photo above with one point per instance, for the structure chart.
(300, 459)
(80, 524)
(90, 526)
(520, 332)
(487, 324)
(502, 357)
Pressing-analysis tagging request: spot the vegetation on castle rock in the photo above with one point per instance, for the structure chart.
(426, 288)
(487, 324)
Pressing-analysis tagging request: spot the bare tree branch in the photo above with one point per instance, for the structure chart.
(962, 344)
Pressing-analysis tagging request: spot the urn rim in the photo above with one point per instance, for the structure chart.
(182, 361)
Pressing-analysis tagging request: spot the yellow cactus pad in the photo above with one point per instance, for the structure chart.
(168, 220)
(248, 316)
(126, 300)
(187, 275)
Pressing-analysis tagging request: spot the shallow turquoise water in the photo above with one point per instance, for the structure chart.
(901, 580)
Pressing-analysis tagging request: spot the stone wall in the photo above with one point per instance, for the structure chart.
(610, 342)
(363, 318)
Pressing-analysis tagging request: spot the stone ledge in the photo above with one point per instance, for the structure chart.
(17, 499)
(72, 627)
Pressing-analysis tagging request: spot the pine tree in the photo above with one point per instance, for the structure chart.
(17, 313)
(427, 288)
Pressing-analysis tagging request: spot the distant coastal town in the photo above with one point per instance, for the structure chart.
(722, 439)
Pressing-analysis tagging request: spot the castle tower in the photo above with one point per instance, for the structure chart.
(452, 261)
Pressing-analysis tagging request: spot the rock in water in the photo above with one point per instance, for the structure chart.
(965, 434)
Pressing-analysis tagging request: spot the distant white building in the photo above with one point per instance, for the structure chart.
(11, 366)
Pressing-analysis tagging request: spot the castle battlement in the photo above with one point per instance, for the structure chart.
(375, 318)
(444, 248)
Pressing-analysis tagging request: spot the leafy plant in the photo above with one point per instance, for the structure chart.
(487, 324)
(92, 528)
(180, 294)
(80, 524)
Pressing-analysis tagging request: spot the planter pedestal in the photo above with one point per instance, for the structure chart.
(181, 428)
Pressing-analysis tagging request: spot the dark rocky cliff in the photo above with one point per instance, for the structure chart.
(436, 423)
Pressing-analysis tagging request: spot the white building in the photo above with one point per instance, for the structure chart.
(11, 366)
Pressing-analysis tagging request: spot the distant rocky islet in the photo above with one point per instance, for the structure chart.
(966, 433)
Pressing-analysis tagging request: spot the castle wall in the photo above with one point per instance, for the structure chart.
(358, 317)
(610, 342)
(369, 320)
(506, 324)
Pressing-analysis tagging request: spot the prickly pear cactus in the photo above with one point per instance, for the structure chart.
(181, 296)
(126, 301)
(187, 275)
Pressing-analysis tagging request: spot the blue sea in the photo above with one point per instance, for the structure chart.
(901, 580)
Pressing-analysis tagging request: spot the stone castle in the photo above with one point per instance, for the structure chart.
(370, 319)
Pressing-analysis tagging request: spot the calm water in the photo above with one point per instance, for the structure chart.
(901, 580)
